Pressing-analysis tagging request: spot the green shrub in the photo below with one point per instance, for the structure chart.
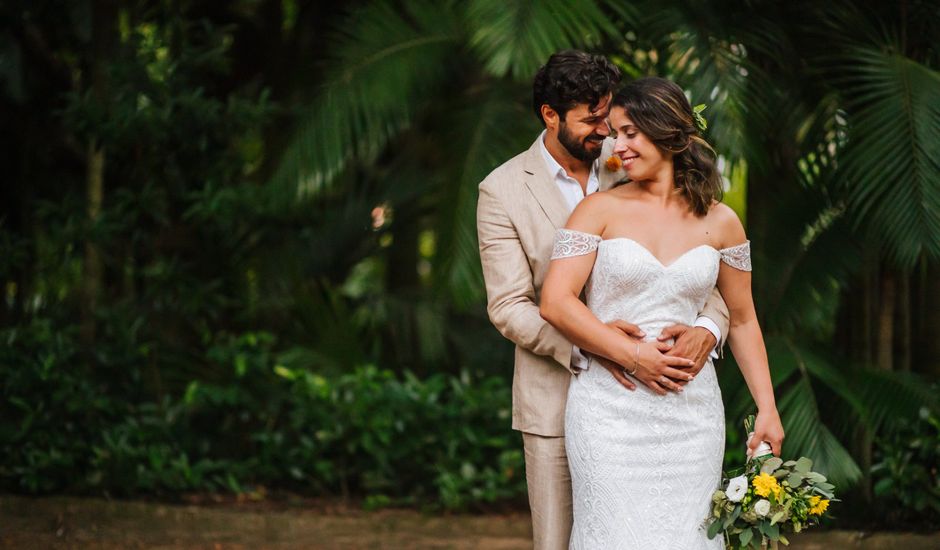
(251, 418)
(251, 421)
(906, 473)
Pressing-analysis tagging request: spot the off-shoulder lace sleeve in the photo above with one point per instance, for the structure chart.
(738, 257)
(569, 242)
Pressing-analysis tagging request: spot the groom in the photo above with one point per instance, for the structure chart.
(521, 205)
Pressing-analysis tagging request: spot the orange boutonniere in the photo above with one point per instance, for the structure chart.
(613, 163)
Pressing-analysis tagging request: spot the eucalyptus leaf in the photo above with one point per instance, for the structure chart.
(816, 477)
(770, 465)
(803, 465)
(764, 527)
(713, 529)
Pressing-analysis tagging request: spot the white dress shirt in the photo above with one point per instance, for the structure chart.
(573, 192)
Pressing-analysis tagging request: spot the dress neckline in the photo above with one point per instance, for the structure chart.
(651, 255)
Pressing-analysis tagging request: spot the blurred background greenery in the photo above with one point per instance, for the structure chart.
(238, 250)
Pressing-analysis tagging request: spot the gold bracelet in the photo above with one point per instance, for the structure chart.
(636, 361)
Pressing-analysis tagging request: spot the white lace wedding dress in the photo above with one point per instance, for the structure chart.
(644, 466)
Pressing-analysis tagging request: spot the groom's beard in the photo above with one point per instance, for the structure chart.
(576, 148)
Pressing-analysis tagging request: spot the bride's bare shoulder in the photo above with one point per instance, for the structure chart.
(592, 213)
(727, 225)
(599, 201)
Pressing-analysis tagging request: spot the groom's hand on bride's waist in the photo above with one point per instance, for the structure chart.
(657, 373)
(695, 343)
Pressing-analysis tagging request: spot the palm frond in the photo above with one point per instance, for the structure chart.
(806, 381)
(891, 166)
(810, 276)
(808, 436)
(387, 62)
(892, 395)
(516, 38)
(486, 140)
(808, 432)
(712, 53)
(338, 341)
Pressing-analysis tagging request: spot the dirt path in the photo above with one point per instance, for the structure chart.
(78, 523)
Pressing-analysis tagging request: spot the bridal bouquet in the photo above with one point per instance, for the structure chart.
(771, 498)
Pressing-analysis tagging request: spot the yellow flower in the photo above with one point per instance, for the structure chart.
(818, 505)
(613, 163)
(764, 484)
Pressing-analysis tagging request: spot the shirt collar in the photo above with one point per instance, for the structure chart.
(554, 169)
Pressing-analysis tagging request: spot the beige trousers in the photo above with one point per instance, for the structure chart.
(549, 481)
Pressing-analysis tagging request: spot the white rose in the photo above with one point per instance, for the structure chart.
(737, 487)
(762, 507)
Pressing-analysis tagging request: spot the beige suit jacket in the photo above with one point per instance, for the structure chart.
(519, 209)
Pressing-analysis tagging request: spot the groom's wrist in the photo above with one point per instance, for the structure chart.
(712, 327)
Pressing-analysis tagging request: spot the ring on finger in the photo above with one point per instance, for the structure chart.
(662, 380)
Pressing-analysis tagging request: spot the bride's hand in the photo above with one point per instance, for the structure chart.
(767, 427)
(656, 370)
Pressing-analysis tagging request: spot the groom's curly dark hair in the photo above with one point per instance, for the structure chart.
(571, 77)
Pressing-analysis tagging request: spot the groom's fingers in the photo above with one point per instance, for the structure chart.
(627, 328)
(672, 331)
(663, 346)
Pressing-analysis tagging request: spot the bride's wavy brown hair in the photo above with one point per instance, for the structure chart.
(660, 110)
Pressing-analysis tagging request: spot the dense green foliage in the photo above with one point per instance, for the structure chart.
(215, 215)
(906, 472)
(258, 424)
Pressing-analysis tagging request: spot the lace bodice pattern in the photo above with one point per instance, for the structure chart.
(569, 242)
(644, 466)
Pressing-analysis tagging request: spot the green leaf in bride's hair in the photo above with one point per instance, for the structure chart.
(700, 121)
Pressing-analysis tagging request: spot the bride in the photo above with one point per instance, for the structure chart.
(644, 466)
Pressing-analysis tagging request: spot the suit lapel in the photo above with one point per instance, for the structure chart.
(543, 188)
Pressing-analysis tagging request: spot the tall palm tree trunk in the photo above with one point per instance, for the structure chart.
(104, 18)
(93, 267)
(904, 322)
(927, 351)
(886, 309)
